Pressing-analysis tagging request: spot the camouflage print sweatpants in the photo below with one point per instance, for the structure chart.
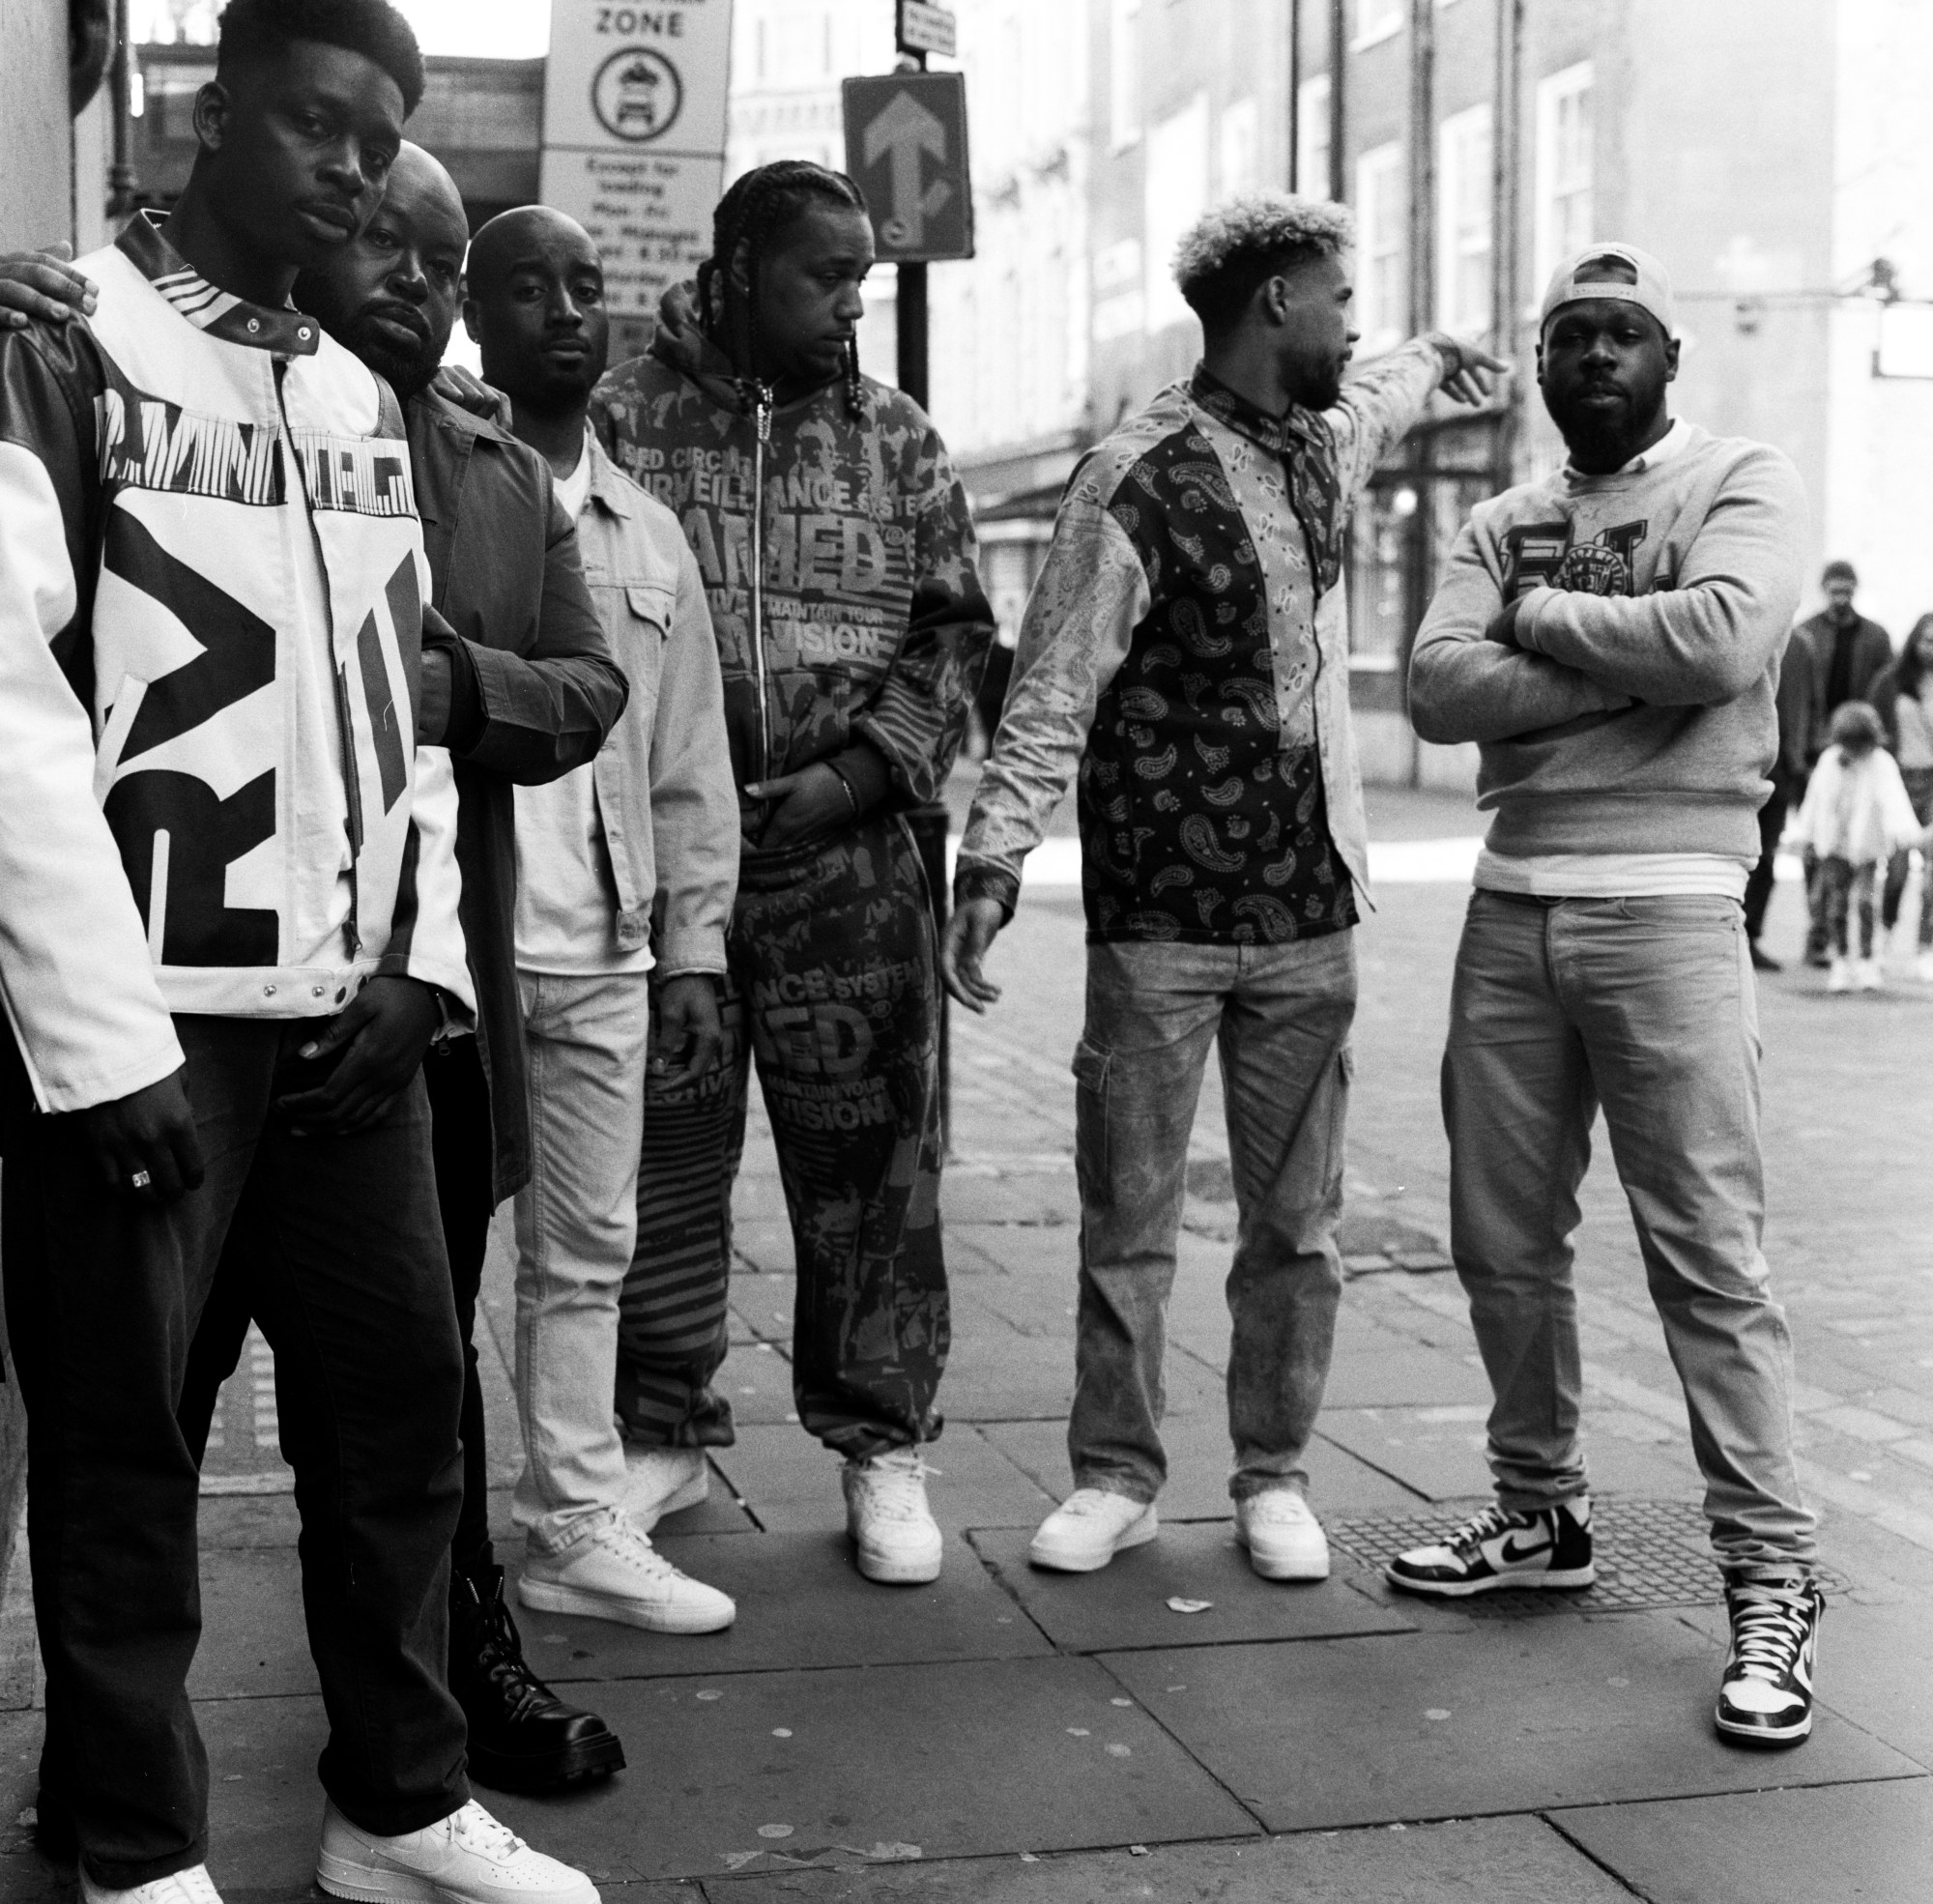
(832, 991)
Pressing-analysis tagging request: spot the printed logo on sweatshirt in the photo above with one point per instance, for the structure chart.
(1542, 555)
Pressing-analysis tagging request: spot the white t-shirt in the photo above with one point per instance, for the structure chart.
(1617, 875)
(566, 896)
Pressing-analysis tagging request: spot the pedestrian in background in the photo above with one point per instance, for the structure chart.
(1185, 652)
(1856, 818)
(1786, 775)
(838, 559)
(1609, 637)
(1903, 696)
(1832, 659)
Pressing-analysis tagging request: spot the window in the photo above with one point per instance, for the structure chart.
(1381, 209)
(1177, 194)
(1239, 162)
(1377, 19)
(1311, 137)
(1563, 167)
(1464, 223)
(1124, 73)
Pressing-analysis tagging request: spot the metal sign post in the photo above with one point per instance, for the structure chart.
(905, 143)
(634, 135)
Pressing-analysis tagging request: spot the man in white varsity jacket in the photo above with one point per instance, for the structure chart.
(228, 931)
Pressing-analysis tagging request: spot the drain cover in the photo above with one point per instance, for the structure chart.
(1649, 1553)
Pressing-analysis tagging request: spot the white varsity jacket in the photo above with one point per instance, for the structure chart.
(212, 581)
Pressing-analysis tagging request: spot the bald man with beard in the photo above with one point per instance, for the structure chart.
(523, 693)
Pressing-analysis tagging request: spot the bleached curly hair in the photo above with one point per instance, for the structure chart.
(1227, 252)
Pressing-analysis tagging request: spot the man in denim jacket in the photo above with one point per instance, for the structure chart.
(650, 827)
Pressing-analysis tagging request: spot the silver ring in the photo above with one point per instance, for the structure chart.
(141, 1180)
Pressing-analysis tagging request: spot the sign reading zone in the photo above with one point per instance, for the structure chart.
(634, 135)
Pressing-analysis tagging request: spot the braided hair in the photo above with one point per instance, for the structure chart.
(759, 205)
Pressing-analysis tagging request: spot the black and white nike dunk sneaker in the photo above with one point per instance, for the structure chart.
(1499, 1548)
(1765, 1697)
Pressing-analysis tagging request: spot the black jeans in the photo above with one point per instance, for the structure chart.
(459, 1100)
(340, 1250)
(1770, 830)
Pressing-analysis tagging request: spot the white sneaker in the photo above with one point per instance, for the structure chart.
(465, 1859)
(1871, 975)
(1922, 967)
(1285, 1540)
(613, 1572)
(888, 1520)
(1840, 978)
(662, 1480)
(1089, 1528)
(190, 1887)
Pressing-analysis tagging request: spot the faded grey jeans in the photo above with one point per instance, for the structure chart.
(1647, 1007)
(1281, 1017)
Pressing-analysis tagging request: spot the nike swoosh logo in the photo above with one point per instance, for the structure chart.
(1511, 1552)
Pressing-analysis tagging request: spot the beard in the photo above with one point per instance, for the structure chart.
(407, 372)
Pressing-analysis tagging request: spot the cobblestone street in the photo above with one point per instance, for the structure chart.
(1033, 1738)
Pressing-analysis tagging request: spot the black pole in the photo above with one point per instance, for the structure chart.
(911, 310)
(123, 187)
(909, 306)
(1338, 37)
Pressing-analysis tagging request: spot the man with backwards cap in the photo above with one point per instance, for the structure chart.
(1610, 636)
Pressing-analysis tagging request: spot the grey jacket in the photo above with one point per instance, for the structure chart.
(665, 791)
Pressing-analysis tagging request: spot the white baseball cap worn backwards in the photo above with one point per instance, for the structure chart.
(1595, 273)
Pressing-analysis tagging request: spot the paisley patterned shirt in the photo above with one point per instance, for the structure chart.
(1185, 648)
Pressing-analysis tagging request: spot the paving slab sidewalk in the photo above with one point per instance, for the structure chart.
(1025, 1739)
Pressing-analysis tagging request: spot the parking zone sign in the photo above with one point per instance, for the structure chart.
(906, 144)
(634, 135)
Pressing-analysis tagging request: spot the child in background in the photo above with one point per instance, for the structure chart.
(1855, 815)
(1903, 696)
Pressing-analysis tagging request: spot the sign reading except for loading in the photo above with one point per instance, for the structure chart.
(634, 135)
(905, 143)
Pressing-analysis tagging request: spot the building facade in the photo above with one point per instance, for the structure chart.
(1775, 153)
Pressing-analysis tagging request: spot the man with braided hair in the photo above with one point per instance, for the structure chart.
(1185, 646)
(838, 560)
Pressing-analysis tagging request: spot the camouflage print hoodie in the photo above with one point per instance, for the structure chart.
(848, 606)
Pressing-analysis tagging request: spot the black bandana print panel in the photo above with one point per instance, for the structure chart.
(1194, 826)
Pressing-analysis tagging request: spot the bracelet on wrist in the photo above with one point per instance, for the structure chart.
(851, 798)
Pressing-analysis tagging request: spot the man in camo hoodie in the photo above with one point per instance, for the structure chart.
(838, 560)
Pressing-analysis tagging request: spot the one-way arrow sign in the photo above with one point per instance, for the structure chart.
(905, 143)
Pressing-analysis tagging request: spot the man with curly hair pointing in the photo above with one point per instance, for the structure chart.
(1186, 647)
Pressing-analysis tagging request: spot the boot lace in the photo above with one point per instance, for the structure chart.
(500, 1657)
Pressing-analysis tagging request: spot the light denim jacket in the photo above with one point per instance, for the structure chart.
(665, 791)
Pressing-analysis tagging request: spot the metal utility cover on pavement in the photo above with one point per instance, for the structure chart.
(905, 143)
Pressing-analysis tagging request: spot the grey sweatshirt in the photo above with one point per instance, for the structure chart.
(1636, 711)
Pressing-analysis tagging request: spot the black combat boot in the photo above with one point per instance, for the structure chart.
(523, 1738)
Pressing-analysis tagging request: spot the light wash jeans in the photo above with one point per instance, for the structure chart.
(576, 1223)
(1647, 1007)
(1281, 1017)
